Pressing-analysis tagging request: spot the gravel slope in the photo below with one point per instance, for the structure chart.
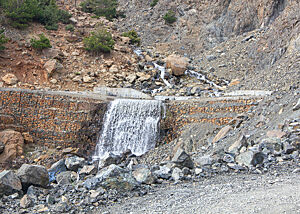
(221, 194)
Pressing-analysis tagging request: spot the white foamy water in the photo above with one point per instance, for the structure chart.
(129, 124)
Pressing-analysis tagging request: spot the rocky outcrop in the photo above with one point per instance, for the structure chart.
(13, 143)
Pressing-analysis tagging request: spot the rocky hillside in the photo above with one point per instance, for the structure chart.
(256, 42)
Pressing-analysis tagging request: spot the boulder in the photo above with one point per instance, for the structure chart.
(144, 175)
(108, 159)
(13, 142)
(182, 159)
(74, 163)
(33, 175)
(51, 66)
(164, 172)
(112, 177)
(250, 158)
(67, 177)
(56, 168)
(9, 183)
(10, 79)
(237, 145)
(177, 64)
(205, 160)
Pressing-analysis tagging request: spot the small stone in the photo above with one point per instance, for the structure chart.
(50, 200)
(87, 79)
(222, 133)
(164, 172)
(211, 57)
(2, 146)
(88, 170)
(296, 170)
(182, 159)
(131, 78)
(177, 174)
(67, 177)
(10, 79)
(205, 160)
(53, 81)
(26, 202)
(250, 158)
(114, 69)
(296, 107)
(198, 171)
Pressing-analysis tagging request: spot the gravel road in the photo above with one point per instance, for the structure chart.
(222, 194)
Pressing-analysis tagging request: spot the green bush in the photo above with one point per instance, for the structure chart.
(170, 17)
(70, 27)
(46, 12)
(99, 41)
(3, 40)
(40, 44)
(134, 38)
(106, 8)
(153, 3)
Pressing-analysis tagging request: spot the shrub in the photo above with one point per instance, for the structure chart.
(40, 44)
(46, 12)
(134, 38)
(3, 40)
(153, 3)
(99, 41)
(170, 17)
(70, 27)
(106, 8)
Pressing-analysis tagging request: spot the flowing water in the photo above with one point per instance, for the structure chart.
(129, 125)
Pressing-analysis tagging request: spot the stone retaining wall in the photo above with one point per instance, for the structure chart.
(55, 118)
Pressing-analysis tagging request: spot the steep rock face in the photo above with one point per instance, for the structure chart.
(203, 24)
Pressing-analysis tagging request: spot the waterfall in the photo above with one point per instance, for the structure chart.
(129, 124)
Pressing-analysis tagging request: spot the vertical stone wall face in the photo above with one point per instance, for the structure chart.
(56, 118)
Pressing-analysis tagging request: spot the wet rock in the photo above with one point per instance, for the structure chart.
(9, 183)
(177, 64)
(10, 79)
(144, 175)
(33, 175)
(13, 142)
(56, 168)
(26, 202)
(67, 177)
(198, 171)
(177, 174)
(182, 159)
(164, 172)
(250, 158)
(74, 163)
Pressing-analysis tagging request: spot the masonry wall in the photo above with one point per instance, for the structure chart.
(53, 118)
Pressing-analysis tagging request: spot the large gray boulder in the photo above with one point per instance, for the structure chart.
(33, 175)
(112, 177)
(9, 183)
(250, 158)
